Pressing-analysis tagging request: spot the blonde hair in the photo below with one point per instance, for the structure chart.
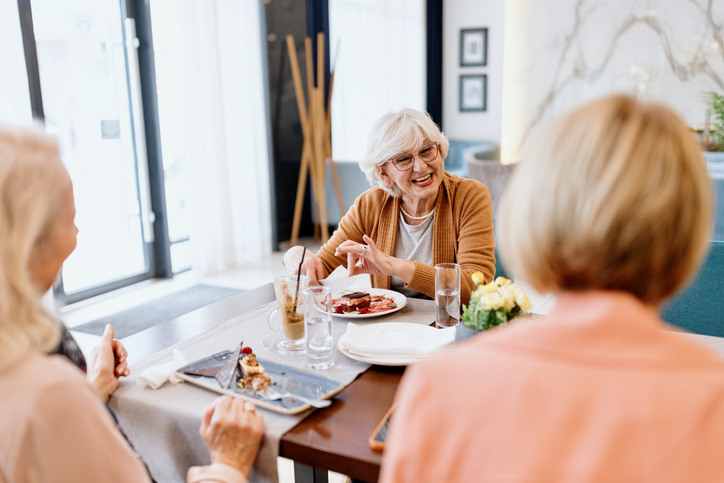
(31, 185)
(395, 133)
(615, 197)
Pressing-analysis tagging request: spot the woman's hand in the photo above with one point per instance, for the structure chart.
(312, 266)
(232, 432)
(372, 261)
(107, 363)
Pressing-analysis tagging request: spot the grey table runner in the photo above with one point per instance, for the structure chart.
(163, 424)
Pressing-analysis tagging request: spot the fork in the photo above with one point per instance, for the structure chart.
(272, 395)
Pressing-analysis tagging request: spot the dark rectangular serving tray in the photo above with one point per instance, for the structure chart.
(287, 378)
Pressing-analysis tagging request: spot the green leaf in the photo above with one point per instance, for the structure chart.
(716, 104)
(500, 316)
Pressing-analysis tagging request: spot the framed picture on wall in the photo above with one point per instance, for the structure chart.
(473, 47)
(473, 92)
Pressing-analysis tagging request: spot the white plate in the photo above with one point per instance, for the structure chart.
(399, 299)
(382, 360)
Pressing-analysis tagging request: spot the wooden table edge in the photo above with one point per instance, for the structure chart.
(353, 412)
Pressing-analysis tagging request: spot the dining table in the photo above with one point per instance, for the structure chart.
(163, 424)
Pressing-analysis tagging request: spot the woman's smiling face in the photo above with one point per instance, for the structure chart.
(419, 182)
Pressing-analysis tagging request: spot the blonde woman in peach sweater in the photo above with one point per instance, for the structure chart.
(54, 426)
(612, 214)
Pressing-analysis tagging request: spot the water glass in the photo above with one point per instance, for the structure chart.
(447, 294)
(318, 325)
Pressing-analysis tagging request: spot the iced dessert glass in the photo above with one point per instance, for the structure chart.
(290, 307)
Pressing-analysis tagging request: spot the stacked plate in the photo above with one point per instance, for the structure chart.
(394, 343)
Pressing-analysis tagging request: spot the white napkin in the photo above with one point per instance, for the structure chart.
(396, 339)
(338, 281)
(155, 376)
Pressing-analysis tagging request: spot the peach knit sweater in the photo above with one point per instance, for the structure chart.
(596, 392)
(462, 233)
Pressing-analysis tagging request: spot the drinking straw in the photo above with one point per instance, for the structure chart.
(299, 273)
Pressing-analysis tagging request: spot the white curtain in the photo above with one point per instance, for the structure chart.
(381, 66)
(215, 120)
(14, 94)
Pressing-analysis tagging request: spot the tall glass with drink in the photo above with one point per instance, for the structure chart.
(290, 307)
(447, 294)
(318, 323)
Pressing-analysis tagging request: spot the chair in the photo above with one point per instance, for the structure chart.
(493, 174)
(499, 270)
(700, 307)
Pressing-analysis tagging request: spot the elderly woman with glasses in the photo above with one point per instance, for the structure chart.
(416, 217)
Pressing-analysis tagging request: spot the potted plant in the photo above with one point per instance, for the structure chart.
(491, 304)
(715, 103)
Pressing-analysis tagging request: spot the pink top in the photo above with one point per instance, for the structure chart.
(54, 428)
(596, 392)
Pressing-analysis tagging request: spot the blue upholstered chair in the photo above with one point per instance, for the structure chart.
(700, 307)
(499, 270)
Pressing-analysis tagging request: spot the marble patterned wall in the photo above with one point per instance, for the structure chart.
(562, 53)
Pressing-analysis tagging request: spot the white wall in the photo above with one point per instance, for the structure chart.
(14, 96)
(460, 14)
(563, 53)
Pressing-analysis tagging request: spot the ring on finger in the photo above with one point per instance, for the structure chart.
(364, 251)
(249, 407)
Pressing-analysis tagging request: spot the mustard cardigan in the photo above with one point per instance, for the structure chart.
(462, 233)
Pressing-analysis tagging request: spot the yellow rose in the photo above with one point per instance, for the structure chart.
(493, 301)
(508, 294)
(502, 281)
(478, 278)
(489, 288)
(523, 302)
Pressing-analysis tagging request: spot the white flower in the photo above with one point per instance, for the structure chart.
(509, 296)
(493, 300)
(522, 300)
(489, 288)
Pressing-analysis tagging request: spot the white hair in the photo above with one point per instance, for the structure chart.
(32, 180)
(396, 133)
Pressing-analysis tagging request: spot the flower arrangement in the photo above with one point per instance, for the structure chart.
(494, 303)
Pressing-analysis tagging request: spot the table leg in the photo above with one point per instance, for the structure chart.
(309, 474)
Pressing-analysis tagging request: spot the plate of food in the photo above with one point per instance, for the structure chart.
(251, 376)
(372, 302)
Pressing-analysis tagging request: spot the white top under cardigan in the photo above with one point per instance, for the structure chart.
(414, 242)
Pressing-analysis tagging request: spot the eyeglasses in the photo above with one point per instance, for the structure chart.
(428, 154)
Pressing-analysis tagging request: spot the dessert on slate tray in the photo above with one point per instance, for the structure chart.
(252, 373)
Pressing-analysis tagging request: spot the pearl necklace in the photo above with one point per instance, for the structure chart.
(417, 218)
